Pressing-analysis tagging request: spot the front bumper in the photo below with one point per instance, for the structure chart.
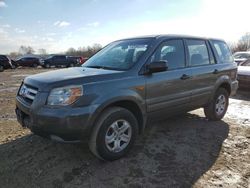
(65, 123)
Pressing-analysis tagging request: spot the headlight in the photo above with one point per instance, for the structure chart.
(65, 95)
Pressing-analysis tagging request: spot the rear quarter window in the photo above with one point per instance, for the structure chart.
(223, 52)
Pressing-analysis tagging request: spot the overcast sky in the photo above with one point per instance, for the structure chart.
(57, 25)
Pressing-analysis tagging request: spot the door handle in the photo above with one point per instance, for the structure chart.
(215, 71)
(185, 76)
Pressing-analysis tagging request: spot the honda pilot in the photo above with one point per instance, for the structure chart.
(112, 96)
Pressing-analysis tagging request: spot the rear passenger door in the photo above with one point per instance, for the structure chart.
(201, 61)
(168, 92)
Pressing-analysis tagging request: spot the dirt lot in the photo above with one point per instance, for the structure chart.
(183, 151)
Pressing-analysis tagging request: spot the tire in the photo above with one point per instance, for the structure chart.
(47, 65)
(71, 65)
(217, 108)
(35, 65)
(104, 130)
(1, 68)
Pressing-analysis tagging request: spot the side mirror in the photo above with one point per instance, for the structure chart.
(157, 66)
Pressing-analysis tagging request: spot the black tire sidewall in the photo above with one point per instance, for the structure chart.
(100, 140)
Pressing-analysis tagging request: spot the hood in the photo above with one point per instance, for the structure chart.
(77, 75)
(244, 70)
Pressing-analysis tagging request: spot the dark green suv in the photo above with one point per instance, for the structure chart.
(112, 96)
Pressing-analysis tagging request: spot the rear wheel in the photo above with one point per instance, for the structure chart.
(35, 65)
(218, 106)
(71, 65)
(1, 68)
(114, 134)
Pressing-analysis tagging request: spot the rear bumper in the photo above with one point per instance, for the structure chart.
(234, 87)
(65, 124)
(244, 81)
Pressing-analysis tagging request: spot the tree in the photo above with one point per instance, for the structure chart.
(84, 51)
(71, 51)
(14, 55)
(242, 45)
(42, 51)
(26, 50)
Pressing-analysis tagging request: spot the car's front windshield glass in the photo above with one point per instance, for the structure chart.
(119, 55)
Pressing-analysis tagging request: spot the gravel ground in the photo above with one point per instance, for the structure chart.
(183, 151)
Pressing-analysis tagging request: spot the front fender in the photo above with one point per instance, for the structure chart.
(114, 97)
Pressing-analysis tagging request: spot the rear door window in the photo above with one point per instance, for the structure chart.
(197, 52)
(222, 51)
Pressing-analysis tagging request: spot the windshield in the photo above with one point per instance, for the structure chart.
(119, 55)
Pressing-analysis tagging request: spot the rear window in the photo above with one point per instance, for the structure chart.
(223, 52)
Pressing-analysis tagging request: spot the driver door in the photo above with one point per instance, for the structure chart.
(169, 91)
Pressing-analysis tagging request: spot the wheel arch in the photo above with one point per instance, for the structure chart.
(223, 82)
(128, 104)
(226, 86)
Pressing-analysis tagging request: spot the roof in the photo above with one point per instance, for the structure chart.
(170, 36)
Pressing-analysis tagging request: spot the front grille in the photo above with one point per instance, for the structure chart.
(28, 93)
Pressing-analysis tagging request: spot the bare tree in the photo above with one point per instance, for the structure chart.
(84, 51)
(71, 51)
(14, 55)
(26, 50)
(42, 51)
(242, 45)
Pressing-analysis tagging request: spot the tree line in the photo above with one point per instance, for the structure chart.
(243, 44)
(87, 51)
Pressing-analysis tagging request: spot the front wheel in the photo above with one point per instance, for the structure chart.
(217, 108)
(47, 65)
(114, 134)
